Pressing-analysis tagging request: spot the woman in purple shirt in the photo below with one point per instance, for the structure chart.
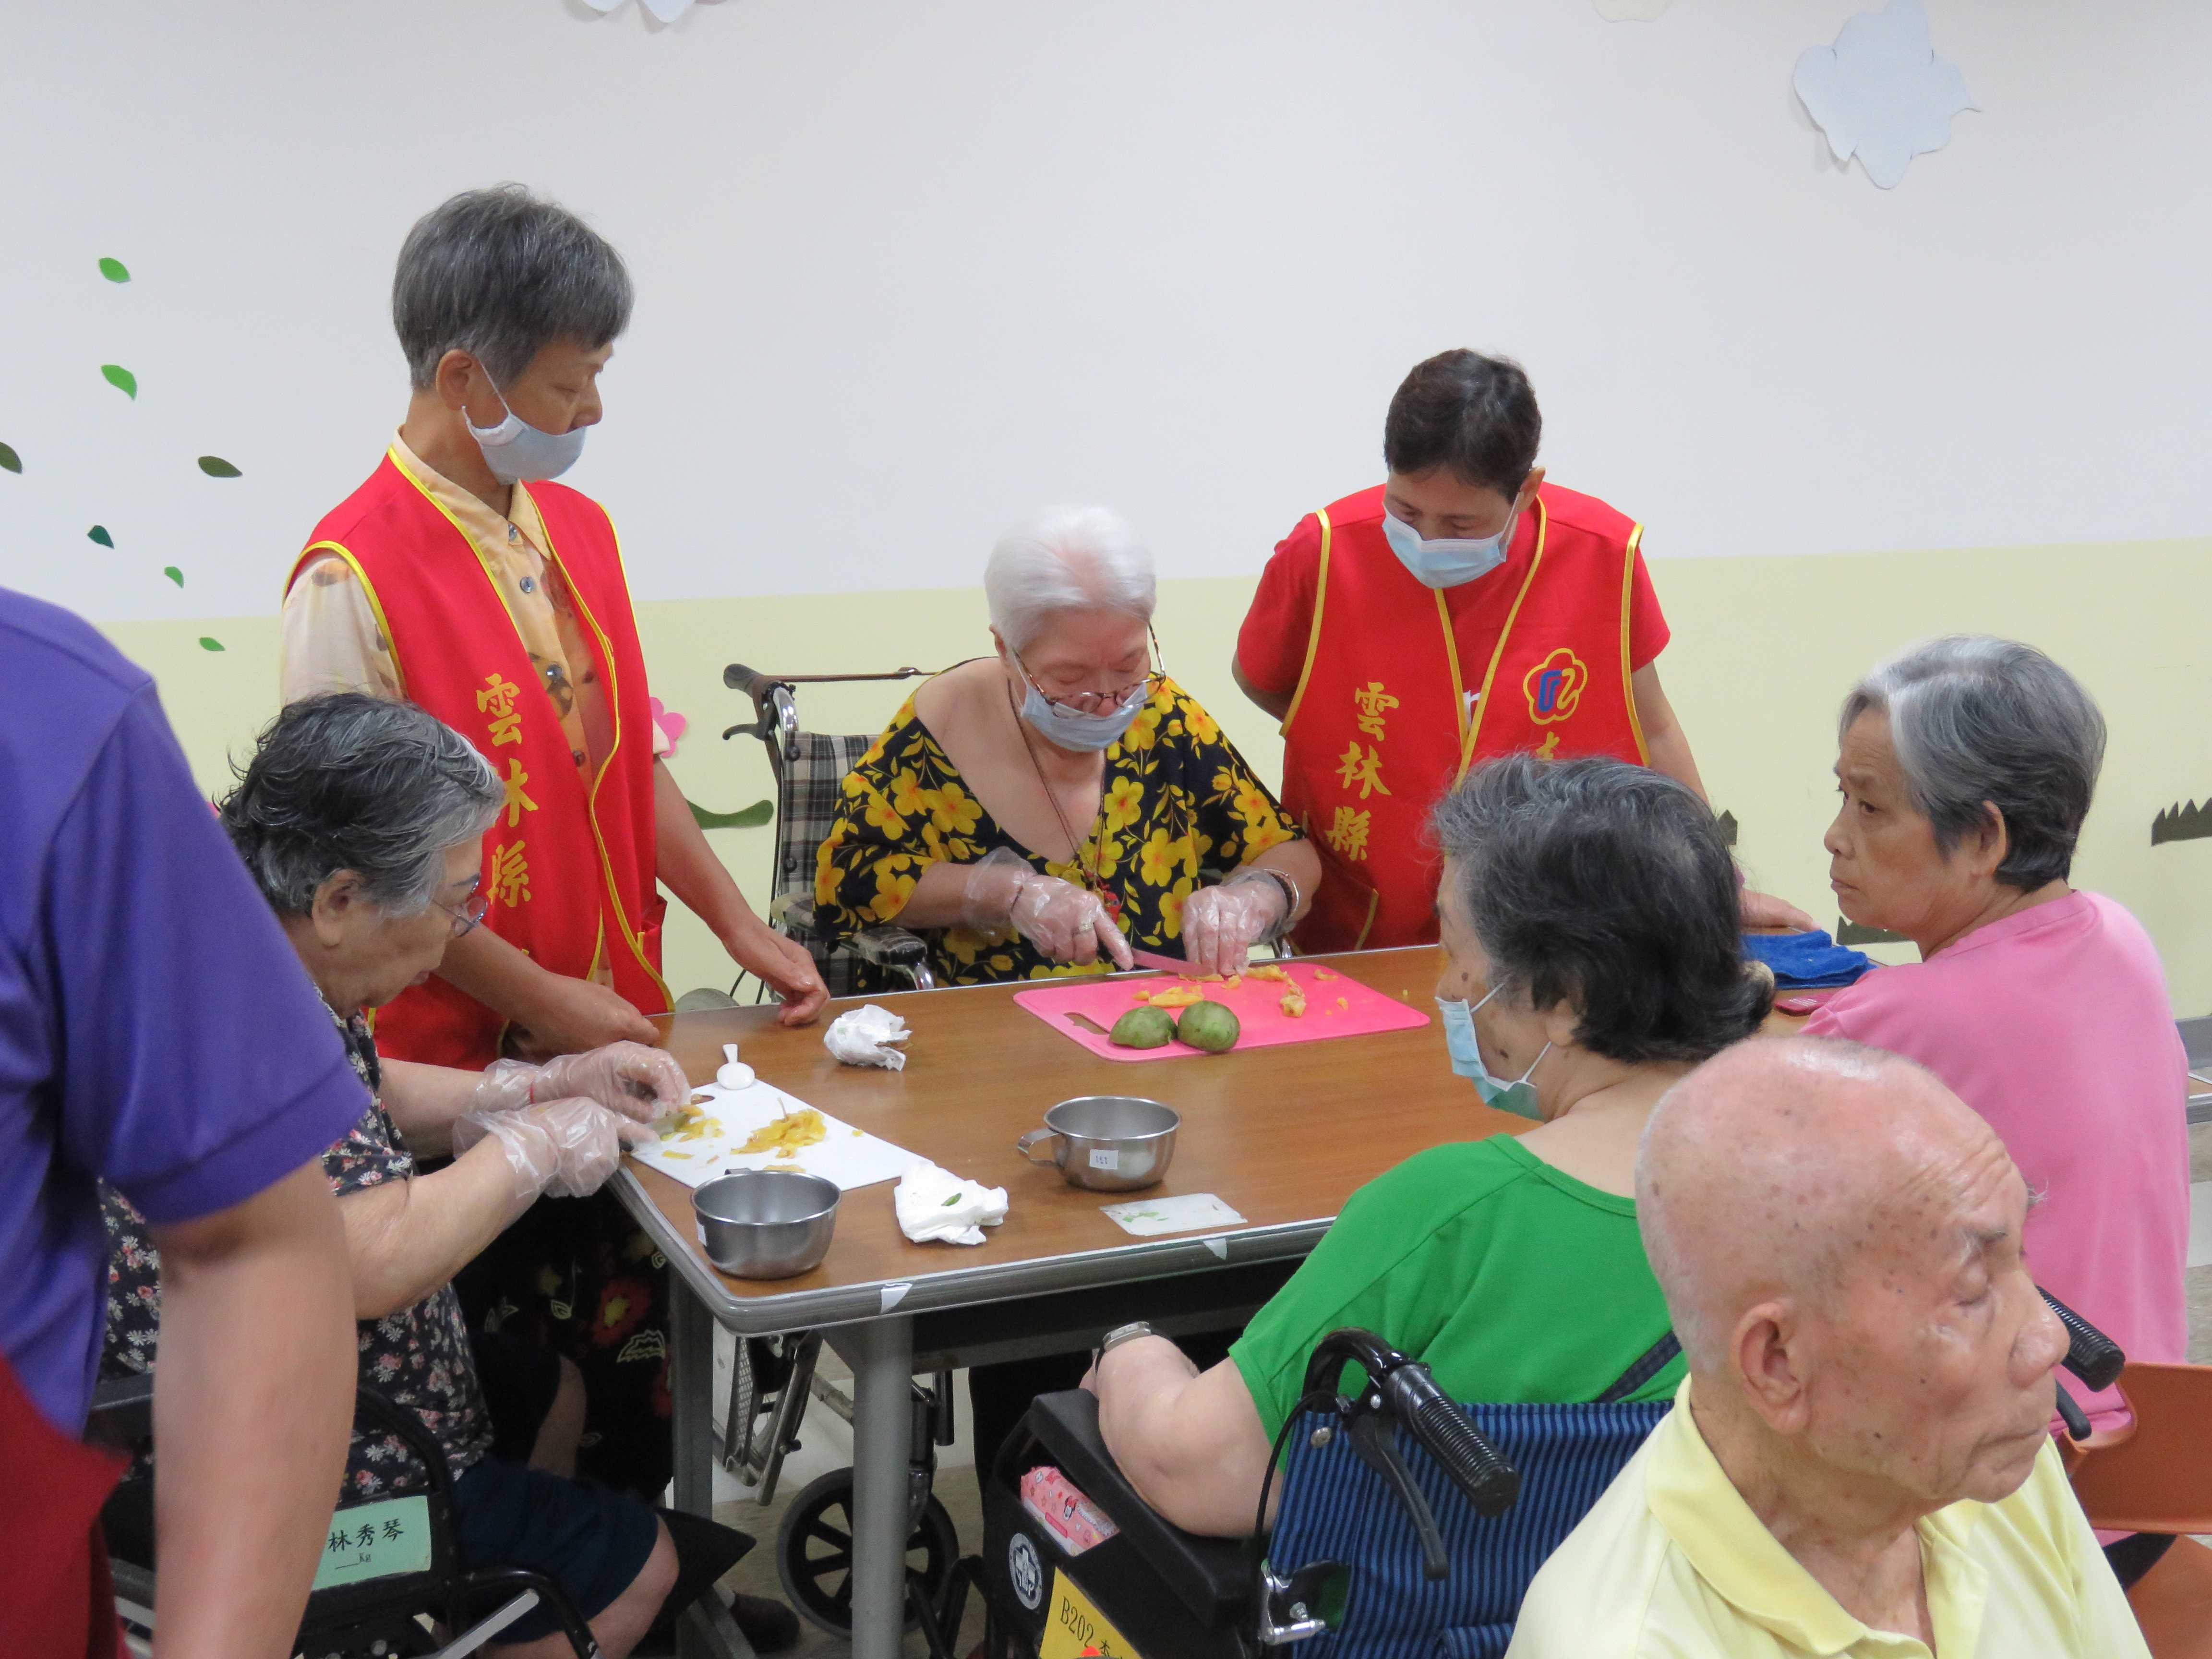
(1967, 766)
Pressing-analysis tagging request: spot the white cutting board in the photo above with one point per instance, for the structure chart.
(850, 1156)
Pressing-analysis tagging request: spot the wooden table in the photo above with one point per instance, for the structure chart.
(1283, 1135)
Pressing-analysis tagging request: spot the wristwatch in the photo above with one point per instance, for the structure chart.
(1120, 1334)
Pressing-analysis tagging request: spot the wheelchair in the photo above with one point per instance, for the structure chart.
(809, 769)
(1410, 1526)
(774, 1378)
(388, 1579)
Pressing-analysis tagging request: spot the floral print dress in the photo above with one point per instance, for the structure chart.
(1177, 800)
(418, 1358)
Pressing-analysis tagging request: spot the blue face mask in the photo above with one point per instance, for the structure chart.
(1446, 561)
(517, 453)
(1517, 1096)
(1071, 729)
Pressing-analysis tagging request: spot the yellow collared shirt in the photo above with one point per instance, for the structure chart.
(332, 641)
(1672, 1564)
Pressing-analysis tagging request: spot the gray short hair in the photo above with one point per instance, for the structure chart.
(1606, 886)
(352, 782)
(502, 274)
(1978, 721)
(1066, 558)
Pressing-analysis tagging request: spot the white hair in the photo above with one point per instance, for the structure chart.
(1066, 558)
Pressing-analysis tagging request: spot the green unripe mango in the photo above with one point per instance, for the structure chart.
(1210, 1026)
(1142, 1028)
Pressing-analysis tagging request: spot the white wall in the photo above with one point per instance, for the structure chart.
(909, 270)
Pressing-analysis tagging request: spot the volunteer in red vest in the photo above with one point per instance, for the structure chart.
(459, 577)
(1460, 610)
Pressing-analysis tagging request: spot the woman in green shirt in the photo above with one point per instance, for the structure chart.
(1591, 958)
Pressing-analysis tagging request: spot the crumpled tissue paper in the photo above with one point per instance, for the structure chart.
(864, 1037)
(935, 1204)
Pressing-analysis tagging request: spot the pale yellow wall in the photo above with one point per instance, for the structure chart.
(1764, 649)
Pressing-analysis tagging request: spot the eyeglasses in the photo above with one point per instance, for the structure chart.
(1101, 702)
(469, 916)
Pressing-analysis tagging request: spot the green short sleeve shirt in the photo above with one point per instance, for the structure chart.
(1510, 1278)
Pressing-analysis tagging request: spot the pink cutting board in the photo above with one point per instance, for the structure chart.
(1257, 1004)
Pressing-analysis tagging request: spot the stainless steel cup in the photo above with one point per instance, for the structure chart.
(1108, 1143)
(766, 1224)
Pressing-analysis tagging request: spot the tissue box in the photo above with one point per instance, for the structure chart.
(1061, 1509)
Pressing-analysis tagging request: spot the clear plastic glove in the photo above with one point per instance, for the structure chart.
(1220, 925)
(629, 1077)
(564, 1148)
(1061, 919)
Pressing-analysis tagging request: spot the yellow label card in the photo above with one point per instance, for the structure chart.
(1073, 1628)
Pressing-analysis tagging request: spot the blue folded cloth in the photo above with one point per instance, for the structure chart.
(1807, 961)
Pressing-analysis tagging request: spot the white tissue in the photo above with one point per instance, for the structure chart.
(935, 1204)
(733, 1072)
(863, 1039)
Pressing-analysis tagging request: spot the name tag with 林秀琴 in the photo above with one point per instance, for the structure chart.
(375, 1541)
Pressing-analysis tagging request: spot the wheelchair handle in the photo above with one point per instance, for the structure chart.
(1471, 1463)
(2090, 1354)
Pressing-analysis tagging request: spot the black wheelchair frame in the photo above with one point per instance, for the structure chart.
(380, 1617)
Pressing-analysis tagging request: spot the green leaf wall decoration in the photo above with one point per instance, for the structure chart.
(99, 533)
(120, 377)
(207, 644)
(173, 574)
(745, 818)
(10, 459)
(115, 270)
(216, 467)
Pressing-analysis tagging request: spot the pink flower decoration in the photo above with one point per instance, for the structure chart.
(672, 725)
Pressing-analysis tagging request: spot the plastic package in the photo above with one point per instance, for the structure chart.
(1062, 1509)
(865, 1037)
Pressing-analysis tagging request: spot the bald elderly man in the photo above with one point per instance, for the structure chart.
(1859, 1462)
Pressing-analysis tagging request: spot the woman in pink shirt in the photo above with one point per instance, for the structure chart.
(1967, 768)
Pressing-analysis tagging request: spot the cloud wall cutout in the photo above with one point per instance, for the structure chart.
(663, 11)
(1881, 92)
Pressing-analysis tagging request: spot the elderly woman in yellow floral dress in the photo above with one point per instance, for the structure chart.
(1032, 811)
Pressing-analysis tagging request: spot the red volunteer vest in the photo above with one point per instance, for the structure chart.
(1379, 727)
(568, 863)
(56, 1598)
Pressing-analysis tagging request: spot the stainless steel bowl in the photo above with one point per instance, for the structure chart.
(1108, 1143)
(766, 1224)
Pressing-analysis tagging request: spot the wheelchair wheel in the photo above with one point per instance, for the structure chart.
(814, 1552)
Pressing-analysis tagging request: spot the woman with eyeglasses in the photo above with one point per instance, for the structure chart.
(362, 820)
(1062, 800)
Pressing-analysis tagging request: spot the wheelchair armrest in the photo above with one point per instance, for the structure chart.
(890, 947)
(372, 1412)
(122, 1412)
(1204, 1572)
(792, 912)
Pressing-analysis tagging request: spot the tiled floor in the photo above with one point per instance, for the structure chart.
(829, 1444)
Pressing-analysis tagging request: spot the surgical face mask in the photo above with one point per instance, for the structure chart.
(1518, 1096)
(1446, 561)
(1073, 730)
(517, 453)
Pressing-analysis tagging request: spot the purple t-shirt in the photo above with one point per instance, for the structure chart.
(156, 1031)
